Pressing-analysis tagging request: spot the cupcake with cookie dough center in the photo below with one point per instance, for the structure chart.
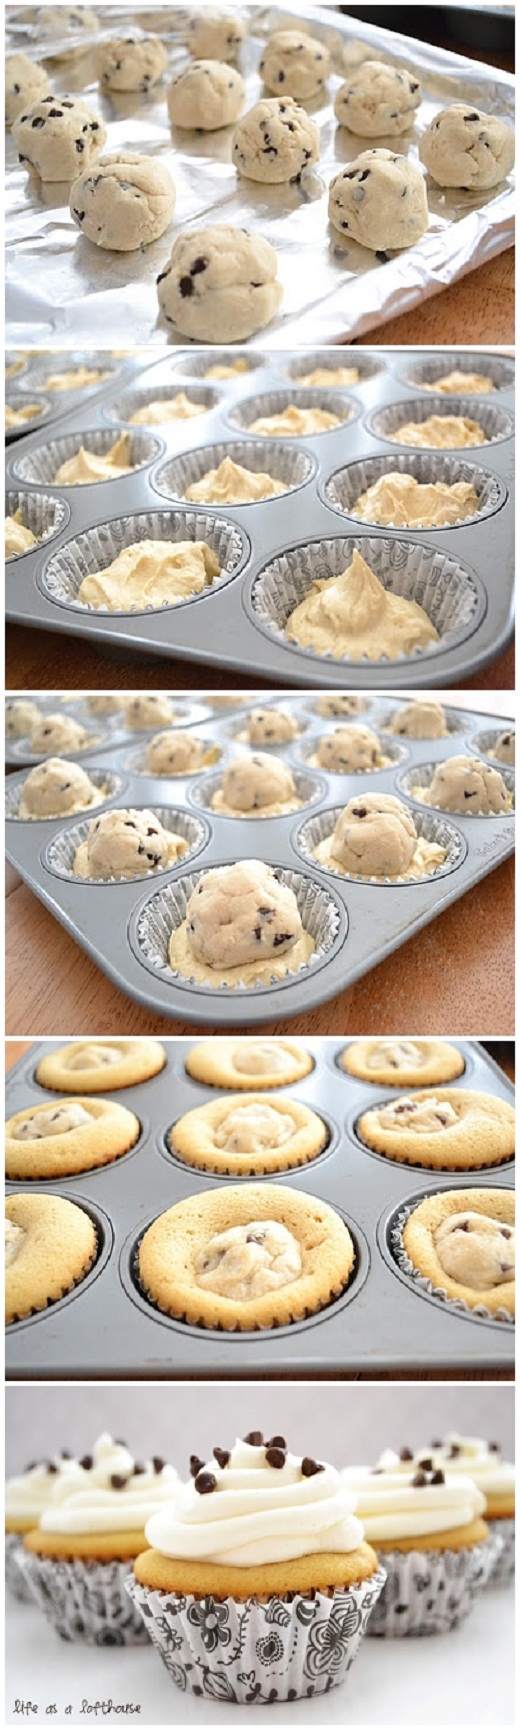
(100, 1065)
(244, 1063)
(402, 1062)
(427, 1529)
(70, 1135)
(248, 1136)
(258, 1584)
(445, 1129)
(460, 1246)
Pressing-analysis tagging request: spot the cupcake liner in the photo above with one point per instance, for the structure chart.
(45, 516)
(495, 421)
(476, 1312)
(503, 1570)
(196, 365)
(307, 748)
(288, 1648)
(59, 855)
(84, 1601)
(207, 396)
(429, 1591)
(292, 466)
(441, 585)
(426, 372)
(367, 365)
(136, 758)
(166, 910)
(422, 775)
(275, 401)
(20, 748)
(347, 484)
(15, 399)
(320, 827)
(113, 785)
(41, 463)
(15, 1580)
(66, 360)
(96, 548)
(485, 743)
(309, 788)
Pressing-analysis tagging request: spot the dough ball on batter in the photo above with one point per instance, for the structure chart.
(471, 1249)
(375, 836)
(465, 784)
(220, 284)
(56, 787)
(378, 101)
(215, 35)
(174, 753)
(58, 136)
(20, 717)
(66, 20)
(339, 703)
(57, 733)
(419, 721)
(240, 914)
(104, 704)
(379, 200)
(275, 141)
(148, 709)
(295, 64)
(504, 750)
(127, 201)
(126, 843)
(205, 95)
(270, 727)
(250, 783)
(131, 62)
(463, 147)
(25, 83)
(348, 749)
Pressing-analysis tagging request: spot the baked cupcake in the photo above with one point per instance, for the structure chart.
(50, 1245)
(26, 1497)
(258, 1584)
(460, 1245)
(482, 1461)
(76, 1558)
(427, 1529)
(445, 1129)
(248, 1136)
(67, 1136)
(100, 1065)
(247, 1063)
(402, 1062)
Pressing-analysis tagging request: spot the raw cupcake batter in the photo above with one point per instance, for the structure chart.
(242, 926)
(18, 539)
(439, 432)
(87, 466)
(18, 416)
(167, 408)
(232, 484)
(354, 615)
(398, 499)
(458, 383)
(76, 378)
(375, 836)
(329, 375)
(151, 574)
(294, 422)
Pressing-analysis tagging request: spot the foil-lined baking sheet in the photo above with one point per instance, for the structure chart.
(61, 290)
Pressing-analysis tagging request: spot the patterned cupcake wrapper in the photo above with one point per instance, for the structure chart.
(42, 514)
(430, 1591)
(478, 1312)
(503, 1570)
(260, 1653)
(15, 1580)
(84, 1601)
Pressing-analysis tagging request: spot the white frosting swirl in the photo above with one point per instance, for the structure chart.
(87, 1499)
(27, 1495)
(391, 1506)
(257, 1513)
(469, 1455)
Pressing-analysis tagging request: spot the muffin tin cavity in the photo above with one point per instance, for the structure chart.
(205, 396)
(447, 591)
(346, 486)
(423, 374)
(390, 1236)
(104, 1245)
(459, 1174)
(92, 552)
(290, 465)
(112, 784)
(243, 414)
(58, 856)
(41, 463)
(495, 421)
(309, 788)
(367, 365)
(319, 828)
(486, 743)
(422, 775)
(43, 515)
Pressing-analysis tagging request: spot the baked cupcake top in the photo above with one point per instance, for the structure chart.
(412, 1504)
(242, 1063)
(467, 1456)
(107, 1491)
(95, 1065)
(444, 1128)
(256, 1503)
(27, 1494)
(402, 1062)
(463, 1240)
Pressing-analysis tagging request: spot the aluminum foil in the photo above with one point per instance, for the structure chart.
(63, 291)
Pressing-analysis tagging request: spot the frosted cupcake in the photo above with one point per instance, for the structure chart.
(427, 1528)
(258, 1584)
(76, 1558)
(26, 1497)
(482, 1461)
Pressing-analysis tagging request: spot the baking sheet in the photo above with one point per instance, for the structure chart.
(62, 290)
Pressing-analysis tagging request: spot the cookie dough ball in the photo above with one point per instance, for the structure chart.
(419, 721)
(104, 704)
(463, 147)
(65, 20)
(125, 204)
(25, 83)
(174, 753)
(57, 136)
(149, 709)
(379, 200)
(349, 749)
(504, 750)
(242, 914)
(251, 783)
(339, 703)
(57, 733)
(131, 63)
(220, 284)
(295, 64)
(207, 94)
(52, 1120)
(20, 717)
(378, 101)
(275, 141)
(465, 784)
(55, 788)
(471, 1250)
(375, 836)
(270, 727)
(215, 35)
(126, 843)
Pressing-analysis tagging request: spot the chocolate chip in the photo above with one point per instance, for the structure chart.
(281, 937)
(454, 1450)
(426, 1465)
(277, 1442)
(185, 286)
(505, 1231)
(472, 116)
(51, 1468)
(275, 1457)
(117, 1481)
(310, 1467)
(222, 1455)
(138, 1468)
(405, 1454)
(65, 1454)
(359, 811)
(87, 1462)
(255, 1439)
(419, 1480)
(493, 1447)
(205, 1483)
(438, 1478)
(196, 1465)
(383, 257)
(199, 265)
(157, 1463)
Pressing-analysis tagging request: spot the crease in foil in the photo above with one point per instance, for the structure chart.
(61, 290)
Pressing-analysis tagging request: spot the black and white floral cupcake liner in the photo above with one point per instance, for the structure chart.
(503, 1571)
(430, 1591)
(15, 1580)
(257, 1652)
(84, 1600)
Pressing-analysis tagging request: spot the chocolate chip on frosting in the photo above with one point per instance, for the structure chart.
(87, 1462)
(310, 1467)
(438, 1477)
(157, 1463)
(205, 1483)
(275, 1457)
(277, 1442)
(405, 1454)
(255, 1439)
(222, 1456)
(117, 1481)
(419, 1481)
(196, 1465)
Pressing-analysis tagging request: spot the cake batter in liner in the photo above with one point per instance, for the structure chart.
(476, 1312)
(41, 464)
(422, 776)
(43, 366)
(166, 910)
(345, 486)
(13, 399)
(319, 828)
(207, 397)
(289, 464)
(275, 401)
(367, 365)
(59, 855)
(495, 421)
(45, 516)
(96, 548)
(424, 373)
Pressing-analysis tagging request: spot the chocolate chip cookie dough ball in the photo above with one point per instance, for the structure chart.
(270, 727)
(471, 1251)
(349, 749)
(379, 200)
(220, 284)
(58, 136)
(127, 201)
(504, 750)
(375, 836)
(465, 784)
(126, 843)
(205, 95)
(20, 717)
(241, 914)
(215, 35)
(175, 753)
(378, 101)
(58, 733)
(275, 141)
(149, 709)
(104, 704)
(463, 147)
(25, 83)
(55, 788)
(66, 20)
(259, 785)
(131, 63)
(419, 721)
(295, 64)
(339, 703)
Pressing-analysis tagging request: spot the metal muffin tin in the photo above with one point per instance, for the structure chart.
(124, 926)
(106, 1327)
(111, 729)
(464, 573)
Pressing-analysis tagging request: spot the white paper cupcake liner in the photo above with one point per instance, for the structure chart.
(102, 778)
(136, 758)
(346, 485)
(84, 1601)
(45, 516)
(503, 1570)
(429, 828)
(476, 1312)
(15, 1580)
(60, 853)
(290, 465)
(308, 747)
(289, 1648)
(198, 363)
(495, 421)
(309, 788)
(485, 744)
(441, 585)
(166, 910)
(206, 396)
(96, 548)
(424, 373)
(16, 399)
(367, 365)
(429, 1591)
(422, 775)
(42, 462)
(275, 401)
